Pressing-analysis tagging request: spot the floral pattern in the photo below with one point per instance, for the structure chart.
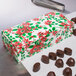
(31, 37)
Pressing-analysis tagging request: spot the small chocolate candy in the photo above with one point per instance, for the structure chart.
(67, 71)
(70, 62)
(59, 63)
(36, 67)
(51, 73)
(52, 56)
(60, 53)
(75, 75)
(74, 19)
(68, 51)
(74, 32)
(45, 59)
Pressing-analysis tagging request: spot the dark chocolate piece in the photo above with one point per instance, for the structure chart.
(74, 19)
(67, 71)
(59, 63)
(52, 56)
(60, 53)
(36, 67)
(51, 73)
(70, 62)
(45, 59)
(67, 51)
(74, 32)
(75, 75)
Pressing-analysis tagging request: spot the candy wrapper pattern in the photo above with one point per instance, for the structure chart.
(31, 37)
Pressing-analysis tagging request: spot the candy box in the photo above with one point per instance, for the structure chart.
(31, 37)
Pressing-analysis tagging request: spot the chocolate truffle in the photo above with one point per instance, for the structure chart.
(74, 32)
(45, 59)
(36, 67)
(67, 71)
(51, 73)
(67, 51)
(60, 53)
(59, 63)
(74, 19)
(70, 62)
(52, 56)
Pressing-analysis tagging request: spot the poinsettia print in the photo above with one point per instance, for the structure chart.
(36, 19)
(48, 22)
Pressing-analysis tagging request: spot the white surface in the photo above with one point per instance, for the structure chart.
(45, 68)
(13, 12)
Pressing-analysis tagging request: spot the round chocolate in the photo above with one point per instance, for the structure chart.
(74, 19)
(36, 67)
(70, 62)
(74, 32)
(60, 53)
(51, 73)
(67, 71)
(59, 63)
(52, 56)
(45, 59)
(68, 51)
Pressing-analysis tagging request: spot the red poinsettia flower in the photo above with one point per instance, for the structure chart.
(32, 36)
(65, 25)
(25, 23)
(54, 32)
(37, 48)
(36, 19)
(20, 45)
(19, 50)
(32, 50)
(62, 24)
(40, 34)
(58, 39)
(70, 22)
(47, 32)
(14, 49)
(16, 43)
(27, 29)
(43, 39)
(62, 16)
(18, 31)
(48, 22)
(52, 13)
(48, 16)
(9, 30)
(70, 26)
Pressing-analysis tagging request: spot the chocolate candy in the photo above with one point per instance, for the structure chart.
(51, 73)
(74, 19)
(60, 53)
(67, 51)
(70, 62)
(45, 59)
(36, 67)
(74, 32)
(59, 63)
(52, 56)
(67, 71)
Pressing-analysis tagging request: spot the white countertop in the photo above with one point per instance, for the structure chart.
(13, 12)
